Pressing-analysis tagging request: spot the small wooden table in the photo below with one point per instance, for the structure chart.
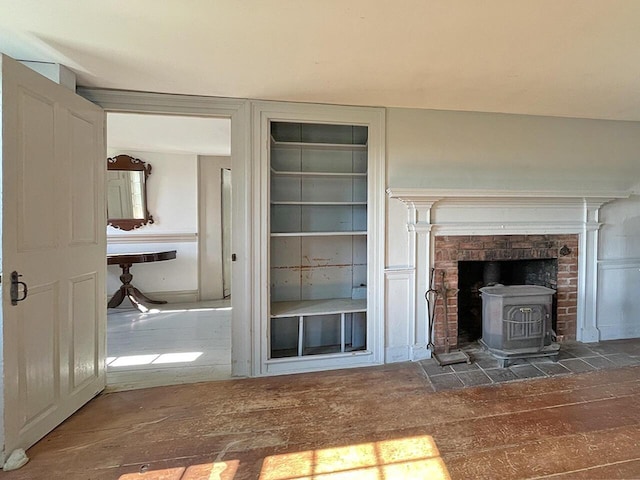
(126, 260)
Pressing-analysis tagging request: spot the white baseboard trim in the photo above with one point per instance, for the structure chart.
(589, 335)
(184, 296)
(406, 353)
(420, 352)
(616, 332)
(397, 354)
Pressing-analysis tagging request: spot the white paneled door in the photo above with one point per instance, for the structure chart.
(53, 235)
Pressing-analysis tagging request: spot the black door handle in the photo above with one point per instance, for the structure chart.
(15, 283)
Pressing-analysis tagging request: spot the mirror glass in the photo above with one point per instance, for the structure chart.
(127, 192)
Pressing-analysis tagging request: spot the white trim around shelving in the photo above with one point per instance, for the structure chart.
(263, 113)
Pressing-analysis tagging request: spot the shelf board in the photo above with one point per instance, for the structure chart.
(319, 146)
(330, 204)
(317, 234)
(317, 307)
(279, 173)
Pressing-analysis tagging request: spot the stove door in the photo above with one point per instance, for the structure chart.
(524, 326)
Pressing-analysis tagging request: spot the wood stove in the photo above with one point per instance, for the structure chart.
(516, 322)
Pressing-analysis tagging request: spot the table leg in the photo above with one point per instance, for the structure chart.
(117, 298)
(137, 298)
(142, 298)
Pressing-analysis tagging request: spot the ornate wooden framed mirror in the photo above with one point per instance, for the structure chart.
(127, 192)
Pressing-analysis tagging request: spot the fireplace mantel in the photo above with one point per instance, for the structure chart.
(436, 212)
(432, 195)
(502, 211)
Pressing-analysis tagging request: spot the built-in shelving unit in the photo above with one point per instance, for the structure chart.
(318, 240)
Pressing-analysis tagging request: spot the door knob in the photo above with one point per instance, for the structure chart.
(15, 284)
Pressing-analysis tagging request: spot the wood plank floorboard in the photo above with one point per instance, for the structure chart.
(381, 422)
(624, 469)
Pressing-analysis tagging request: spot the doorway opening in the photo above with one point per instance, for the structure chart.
(188, 194)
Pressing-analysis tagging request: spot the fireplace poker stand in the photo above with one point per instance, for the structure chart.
(448, 357)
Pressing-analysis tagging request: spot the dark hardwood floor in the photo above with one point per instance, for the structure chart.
(383, 422)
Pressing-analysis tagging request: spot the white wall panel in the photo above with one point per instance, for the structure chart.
(397, 241)
(399, 315)
(618, 306)
(620, 232)
(83, 325)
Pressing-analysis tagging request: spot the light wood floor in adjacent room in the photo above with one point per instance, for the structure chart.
(169, 345)
(370, 423)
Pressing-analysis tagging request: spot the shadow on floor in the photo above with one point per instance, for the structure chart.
(574, 357)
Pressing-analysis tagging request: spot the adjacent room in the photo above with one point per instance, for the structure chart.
(181, 234)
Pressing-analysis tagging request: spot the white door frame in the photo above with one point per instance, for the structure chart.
(243, 233)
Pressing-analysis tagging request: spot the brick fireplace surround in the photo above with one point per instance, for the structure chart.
(449, 250)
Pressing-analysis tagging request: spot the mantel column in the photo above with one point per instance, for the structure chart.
(587, 329)
(419, 226)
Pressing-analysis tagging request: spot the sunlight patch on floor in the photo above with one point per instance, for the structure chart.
(155, 359)
(183, 310)
(406, 458)
(206, 471)
(410, 458)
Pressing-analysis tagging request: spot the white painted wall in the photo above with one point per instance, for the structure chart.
(461, 151)
(458, 150)
(169, 133)
(173, 202)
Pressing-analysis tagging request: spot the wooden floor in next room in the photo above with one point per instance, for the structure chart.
(170, 344)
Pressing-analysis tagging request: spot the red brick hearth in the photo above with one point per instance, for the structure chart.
(449, 250)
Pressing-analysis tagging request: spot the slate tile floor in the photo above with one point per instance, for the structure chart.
(574, 357)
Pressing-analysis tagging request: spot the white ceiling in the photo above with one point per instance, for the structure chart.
(576, 58)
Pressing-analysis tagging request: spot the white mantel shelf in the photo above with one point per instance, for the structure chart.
(434, 195)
